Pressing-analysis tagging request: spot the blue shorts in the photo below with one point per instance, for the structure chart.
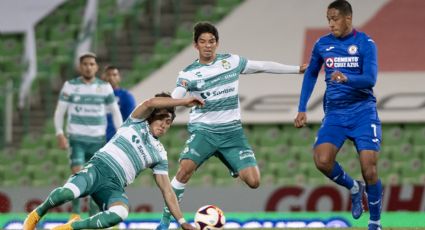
(363, 128)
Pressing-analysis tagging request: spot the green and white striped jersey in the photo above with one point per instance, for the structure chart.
(132, 150)
(217, 83)
(86, 108)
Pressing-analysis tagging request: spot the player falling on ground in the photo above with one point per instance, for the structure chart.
(133, 149)
(350, 61)
(216, 129)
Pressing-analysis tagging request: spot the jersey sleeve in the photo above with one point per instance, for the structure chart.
(310, 78)
(242, 64)
(65, 94)
(110, 96)
(367, 79)
(127, 105)
(161, 167)
(183, 80)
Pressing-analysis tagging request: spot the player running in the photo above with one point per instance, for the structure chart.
(216, 129)
(350, 107)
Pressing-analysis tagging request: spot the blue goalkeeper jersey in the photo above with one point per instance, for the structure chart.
(355, 56)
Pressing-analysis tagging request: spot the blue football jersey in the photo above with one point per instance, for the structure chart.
(355, 56)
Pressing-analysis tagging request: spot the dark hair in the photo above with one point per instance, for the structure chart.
(88, 55)
(343, 6)
(204, 27)
(158, 114)
(110, 67)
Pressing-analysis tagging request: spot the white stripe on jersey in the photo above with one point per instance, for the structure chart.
(122, 159)
(91, 131)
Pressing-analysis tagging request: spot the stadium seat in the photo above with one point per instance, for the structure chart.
(393, 134)
(299, 137)
(417, 133)
(268, 135)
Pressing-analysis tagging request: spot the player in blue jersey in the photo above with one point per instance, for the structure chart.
(350, 60)
(124, 98)
(132, 150)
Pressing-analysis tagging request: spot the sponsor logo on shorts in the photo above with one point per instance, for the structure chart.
(245, 154)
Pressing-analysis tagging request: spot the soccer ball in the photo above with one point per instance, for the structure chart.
(209, 217)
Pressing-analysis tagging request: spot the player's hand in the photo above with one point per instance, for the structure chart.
(301, 120)
(303, 67)
(194, 101)
(62, 141)
(187, 226)
(338, 77)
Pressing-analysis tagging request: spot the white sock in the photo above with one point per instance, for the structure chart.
(355, 188)
(176, 184)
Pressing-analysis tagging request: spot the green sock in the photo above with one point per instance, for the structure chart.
(93, 208)
(166, 215)
(57, 197)
(104, 219)
(76, 206)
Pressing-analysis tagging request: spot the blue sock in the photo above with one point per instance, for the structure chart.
(340, 177)
(374, 199)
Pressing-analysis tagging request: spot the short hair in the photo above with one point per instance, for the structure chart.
(343, 6)
(110, 67)
(158, 114)
(88, 55)
(204, 27)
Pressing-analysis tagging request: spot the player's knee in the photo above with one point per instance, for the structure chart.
(185, 171)
(323, 165)
(255, 183)
(121, 213)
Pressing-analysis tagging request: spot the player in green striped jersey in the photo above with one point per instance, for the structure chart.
(86, 100)
(134, 148)
(216, 129)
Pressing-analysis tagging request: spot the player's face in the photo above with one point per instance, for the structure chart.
(88, 68)
(160, 126)
(339, 24)
(206, 45)
(113, 77)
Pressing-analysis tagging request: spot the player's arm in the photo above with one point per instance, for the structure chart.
(58, 118)
(309, 81)
(116, 114)
(271, 67)
(112, 107)
(143, 110)
(367, 79)
(182, 86)
(170, 198)
(128, 105)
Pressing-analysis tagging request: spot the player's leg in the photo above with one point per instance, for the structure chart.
(198, 149)
(329, 141)
(78, 185)
(367, 136)
(238, 156)
(77, 159)
(91, 149)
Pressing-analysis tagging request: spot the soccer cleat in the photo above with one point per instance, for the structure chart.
(163, 225)
(31, 220)
(374, 227)
(73, 216)
(356, 201)
(67, 226)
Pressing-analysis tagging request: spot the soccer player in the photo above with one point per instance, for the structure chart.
(134, 148)
(86, 100)
(350, 61)
(124, 98)
(216, 129)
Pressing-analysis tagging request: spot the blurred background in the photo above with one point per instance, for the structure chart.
(150, 41)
